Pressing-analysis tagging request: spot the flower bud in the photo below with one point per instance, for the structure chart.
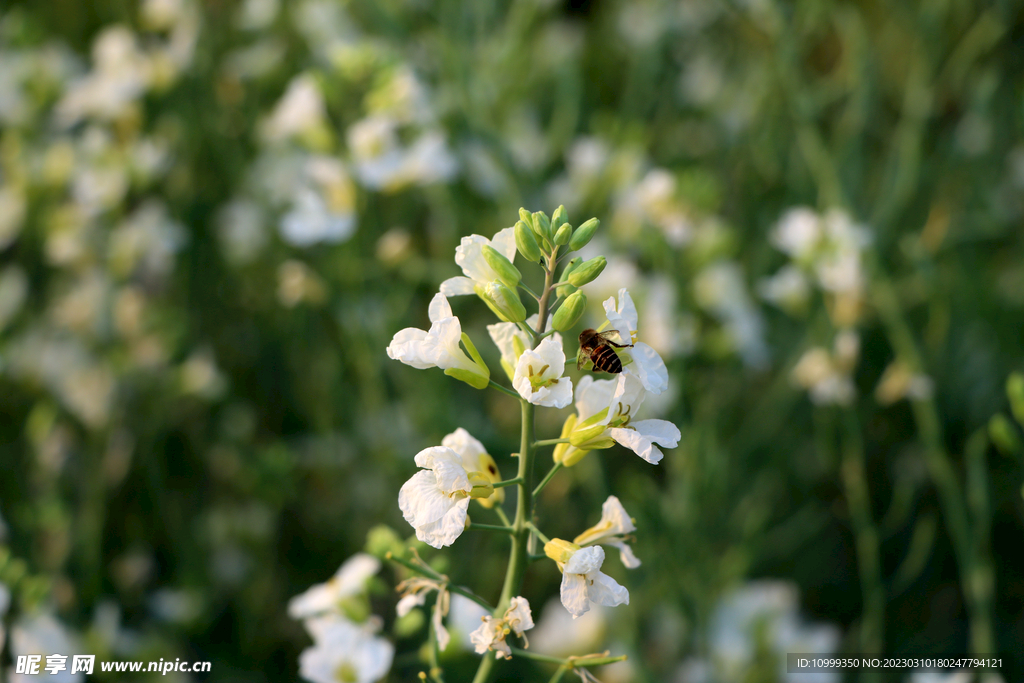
(582, 236)
(502, 300)
(542, 225)
(564, 288)
(507, 272)
(569, 313)
(563, 234)
(587, 271)
(526, 243)
(526, 217)
(482, 486)
(559, 550)
(559, 218)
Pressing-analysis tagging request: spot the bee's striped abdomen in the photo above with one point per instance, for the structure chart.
(606, 360)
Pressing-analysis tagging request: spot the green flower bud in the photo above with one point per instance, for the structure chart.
(507, 272)
(587, 271)
(542, 225)
(559, 218)
(564, 288)
(582, 236)
(502, 300)
(526, 243)
(569, 313)
(563, 234)
(482, 486)
(1003, 434)
(560, 551)
(526, 217)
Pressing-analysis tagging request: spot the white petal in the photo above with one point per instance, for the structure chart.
(439, 308)
(518, 615)
(315, 600)
(627, 309)
(661, 432)
(502, 335)
(551, 353)
(421, 501)
(636, 442)
(574, 594)
(470, 257)
(352, 576)
(444, 531)
(604, 590)
(439, 630)
(504, 242)
(457, 286)
(447, 466)
(629, 559)
(413, 347)
(408, 602)
(649, 367)
(467, 447)
(554, 396)
(483, 636)
(615, 521)
(593, 395)
(628, 395)
(585, 560)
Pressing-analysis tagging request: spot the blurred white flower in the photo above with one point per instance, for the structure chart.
(827, 375)
(42, 634)
(538, 377)
(255, 15)
(121, 74)
(322, 206)
(560, 634)
(898, 382)
(720, 289)
(788, 289)
(382, 163)
(438, 347)
(146, 242)
(5, 595)
(434, 501)
(345, 652)
(613, 530)
(242, 231)
(349, 580)
(300, 110)
(583, 583)
(469, 256)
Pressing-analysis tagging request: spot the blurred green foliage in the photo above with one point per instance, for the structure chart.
(197, 285)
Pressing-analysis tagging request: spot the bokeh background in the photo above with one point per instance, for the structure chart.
(215, 214)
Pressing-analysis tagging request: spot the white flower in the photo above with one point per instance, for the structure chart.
(491, 633)
(345, 653)
(349, 580)
(827, 376)
(613, 403)
(611, 530)
(470, 257)
(797, 233)
(647, 364)
(43, 634)
(583, 583)
(322, 205)
(538, 377)
(559, 634)
(475, 458)
(300, 109)
(434, 501)
(438, 347)
(787, 289)
(512, 340)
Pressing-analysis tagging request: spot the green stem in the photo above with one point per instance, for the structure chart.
(872, 633)
(502, 389)
(502, 516)
(547, 477)
(508, 482)
(491, 527)
(550, 442)
(529, 291)
(540, 534)
(571, 662)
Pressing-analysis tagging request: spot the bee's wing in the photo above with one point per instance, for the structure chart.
(609, 336)
(581, 359)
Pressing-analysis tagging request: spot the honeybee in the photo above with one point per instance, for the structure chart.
(597, 346)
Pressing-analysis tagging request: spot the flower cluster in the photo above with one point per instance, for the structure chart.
(435, 500)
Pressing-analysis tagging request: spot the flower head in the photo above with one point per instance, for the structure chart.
(438, 347)
(414, 594)
(492, 632)
(612, 530)
(646, 364)
(469, 256)
(538, 377)
(434, 501)
(605, 414)
(511, 341)
(583, 582)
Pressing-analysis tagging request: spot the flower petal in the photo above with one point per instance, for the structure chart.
(636, 442)
(649, 367)
(444, 531)
(585, 560)
(457, 286)
(604, 590)
(408, 602)
(421, 501)
(413, 347)
(504, 242)
(629, 559)
(439, 308)
(574, 594)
